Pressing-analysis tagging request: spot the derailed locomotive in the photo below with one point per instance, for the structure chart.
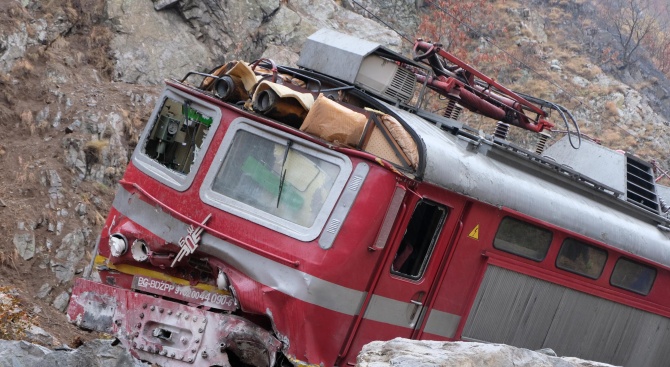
(279, 216)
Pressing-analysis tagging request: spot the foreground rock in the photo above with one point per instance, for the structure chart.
(96, 353)
(413, 353)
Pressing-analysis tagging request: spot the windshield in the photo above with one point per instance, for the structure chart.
(275, 179)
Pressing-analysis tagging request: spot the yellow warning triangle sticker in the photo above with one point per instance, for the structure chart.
(474, 234)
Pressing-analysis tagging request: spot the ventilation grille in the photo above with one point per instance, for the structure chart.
(402, 85)
(640, 186)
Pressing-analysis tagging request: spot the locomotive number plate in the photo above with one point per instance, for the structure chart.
(214, 299)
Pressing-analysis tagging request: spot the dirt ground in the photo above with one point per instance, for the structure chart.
(65, 72)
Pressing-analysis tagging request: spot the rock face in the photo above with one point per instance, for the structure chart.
(150, 46)
(414, 353)
(176, 36)
(97, 353)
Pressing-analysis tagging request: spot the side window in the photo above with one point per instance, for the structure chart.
(580, 258)
(633, 276)
(176, 136)
(419, 239)
(523, 239)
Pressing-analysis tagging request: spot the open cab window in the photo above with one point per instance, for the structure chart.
(275, 179)
(174, 141)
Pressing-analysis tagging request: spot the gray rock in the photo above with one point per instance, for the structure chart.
(150, 46)
(36, 334)
(96, 353)
(25, 244)
(60, 303)
(401, 352)
(21, 353)
(73, 127)
(80, 209)
(68, 255)
(14, 48)
(53, 179)
(44, 291)
(63, 271)
(162, 4)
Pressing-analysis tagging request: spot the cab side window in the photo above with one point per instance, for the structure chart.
(417, 244)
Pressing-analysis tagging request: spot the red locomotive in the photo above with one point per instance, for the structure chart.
(278, 216)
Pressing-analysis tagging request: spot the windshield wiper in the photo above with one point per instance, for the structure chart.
(282, 176)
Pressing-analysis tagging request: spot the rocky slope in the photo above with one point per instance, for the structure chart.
(78, 79)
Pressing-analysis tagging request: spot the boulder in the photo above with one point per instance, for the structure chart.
(401, 352)
(96, 353)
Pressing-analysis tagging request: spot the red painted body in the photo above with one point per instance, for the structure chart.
(320, 306)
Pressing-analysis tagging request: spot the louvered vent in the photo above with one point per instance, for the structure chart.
(640, 186)
(402, 85)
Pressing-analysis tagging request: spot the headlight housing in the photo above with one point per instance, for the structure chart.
(118, 245)
(140, 251)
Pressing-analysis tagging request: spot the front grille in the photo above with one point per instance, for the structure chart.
(402, 85)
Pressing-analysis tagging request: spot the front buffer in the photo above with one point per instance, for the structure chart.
(169, 333)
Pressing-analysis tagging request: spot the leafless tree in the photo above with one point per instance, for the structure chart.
(631, 22)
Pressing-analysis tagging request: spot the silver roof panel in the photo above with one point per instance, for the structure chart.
(340, 55)
(592, 160)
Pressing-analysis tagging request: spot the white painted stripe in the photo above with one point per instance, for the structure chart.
(389, 311)
(442, 323)
(282, 278)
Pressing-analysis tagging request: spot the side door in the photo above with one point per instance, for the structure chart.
(395, 306)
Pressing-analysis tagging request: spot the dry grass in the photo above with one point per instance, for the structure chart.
(93, 153)
(14, 321)
(611, 111)
(556, 16)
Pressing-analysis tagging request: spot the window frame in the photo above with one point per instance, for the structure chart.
(653, 280)
(535, 225)
(258, 216)
(582, 243)
(159, 172)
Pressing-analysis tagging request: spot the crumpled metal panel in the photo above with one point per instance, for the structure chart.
(169, 333)
(523, 311)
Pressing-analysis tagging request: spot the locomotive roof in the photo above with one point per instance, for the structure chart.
(501, 174)
(586, 191)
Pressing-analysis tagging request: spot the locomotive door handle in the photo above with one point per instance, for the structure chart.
(416, 305)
